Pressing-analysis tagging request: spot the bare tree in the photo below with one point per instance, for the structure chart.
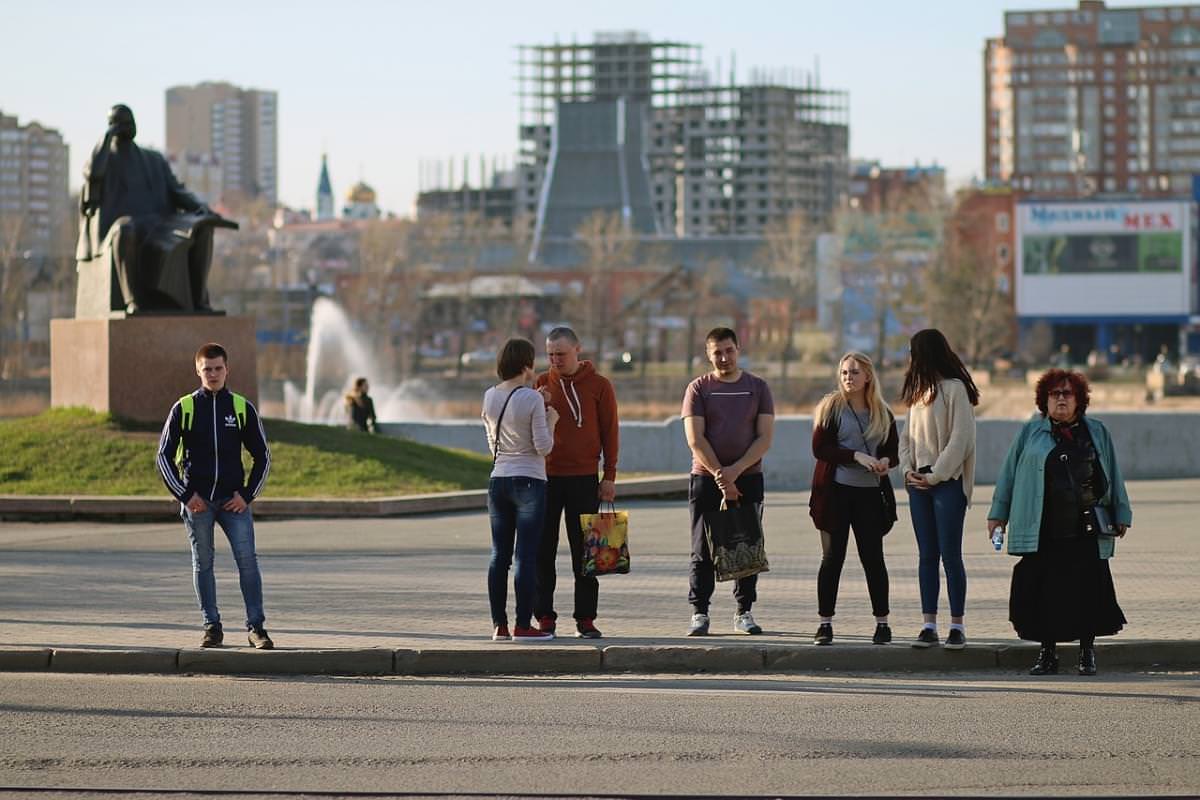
(965, 295)
(790, 259)
(13, 283)
(382, 296)
(237, 254)
(608, 247)
(889, 255)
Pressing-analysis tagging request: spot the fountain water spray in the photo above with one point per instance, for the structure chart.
(337, 354)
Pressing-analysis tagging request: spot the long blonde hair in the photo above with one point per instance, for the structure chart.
(830, 407)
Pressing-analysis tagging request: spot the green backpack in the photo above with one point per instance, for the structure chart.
(187, 407)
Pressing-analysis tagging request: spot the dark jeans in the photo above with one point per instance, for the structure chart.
(515, 506)
(860, 508)
(703, 495)
(937, 517)
(572, 495)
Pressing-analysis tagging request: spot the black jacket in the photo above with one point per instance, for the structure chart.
(212, 450)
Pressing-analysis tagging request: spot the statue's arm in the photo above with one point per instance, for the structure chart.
(181, 197)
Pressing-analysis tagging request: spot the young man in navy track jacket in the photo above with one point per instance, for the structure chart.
(200, 459)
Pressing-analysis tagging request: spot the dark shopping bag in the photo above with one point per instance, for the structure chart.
(605, 542)
(735, 540)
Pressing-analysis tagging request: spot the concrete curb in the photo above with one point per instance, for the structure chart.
(527, 658)
(117, 662)
(228, 661)
(46, 508)
(682, 658)
(24, 659)
(543, 658)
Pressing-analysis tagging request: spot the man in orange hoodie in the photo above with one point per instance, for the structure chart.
(587, 428)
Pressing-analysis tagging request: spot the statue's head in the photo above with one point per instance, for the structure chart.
(120, 119)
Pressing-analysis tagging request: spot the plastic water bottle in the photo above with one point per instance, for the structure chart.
(998, 538)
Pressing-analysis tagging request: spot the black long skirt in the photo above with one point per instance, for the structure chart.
(1064, 592)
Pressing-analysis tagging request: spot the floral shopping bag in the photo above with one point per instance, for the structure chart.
(605, 542)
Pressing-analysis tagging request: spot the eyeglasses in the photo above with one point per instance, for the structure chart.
(1061, 393)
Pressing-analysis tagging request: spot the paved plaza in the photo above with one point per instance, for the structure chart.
(419, 582)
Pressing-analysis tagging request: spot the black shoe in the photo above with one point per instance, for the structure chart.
(586, 629)
(926, 638)
(1087, 661)
(956, 640)
(213, 636)
(824, 634)
(883, 634)
(259, 638)
(1046, 664)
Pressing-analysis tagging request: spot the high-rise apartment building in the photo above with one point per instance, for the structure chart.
(35, 204)
(1092, 100)
(237, 128)
(723, 158)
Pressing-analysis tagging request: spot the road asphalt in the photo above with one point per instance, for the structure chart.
(407, 595)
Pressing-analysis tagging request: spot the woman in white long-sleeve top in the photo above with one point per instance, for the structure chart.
(937, 458)
(520, 433)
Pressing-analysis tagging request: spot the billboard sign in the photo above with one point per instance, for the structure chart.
(1103, 259)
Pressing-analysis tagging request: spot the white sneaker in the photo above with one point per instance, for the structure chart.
(699, 625)
(744, 623)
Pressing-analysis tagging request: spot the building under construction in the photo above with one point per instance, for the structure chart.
(717, 158)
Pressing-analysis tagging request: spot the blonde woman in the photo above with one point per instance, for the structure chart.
(855, 444)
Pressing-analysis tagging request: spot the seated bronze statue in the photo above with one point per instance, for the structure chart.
(145, 241)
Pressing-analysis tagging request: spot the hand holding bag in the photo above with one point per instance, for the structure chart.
(735, 540)
(605, 542)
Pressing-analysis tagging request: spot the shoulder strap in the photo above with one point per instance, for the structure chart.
(187, 413)
(187, 408)
(496, 435)
(239, 409)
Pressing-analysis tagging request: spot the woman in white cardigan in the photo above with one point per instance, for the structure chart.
(937, 458)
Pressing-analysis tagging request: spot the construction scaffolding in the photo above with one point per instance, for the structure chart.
(723, 157)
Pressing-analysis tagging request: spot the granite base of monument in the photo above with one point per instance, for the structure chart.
(137, 367)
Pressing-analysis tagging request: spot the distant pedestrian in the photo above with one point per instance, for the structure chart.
(729, 419)
(587, 411)
(200, 460)
(1061, 477)
(855, 444)
(937, 457)
(519, 428)
(360, 408)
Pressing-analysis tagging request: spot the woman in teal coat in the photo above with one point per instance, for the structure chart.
(1061, 495)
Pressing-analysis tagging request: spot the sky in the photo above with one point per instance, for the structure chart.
(382, 86)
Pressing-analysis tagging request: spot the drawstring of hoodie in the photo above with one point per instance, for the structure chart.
(576, 407)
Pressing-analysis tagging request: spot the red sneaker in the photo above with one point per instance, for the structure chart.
(501, 634)
(522, 634)
(586, 629)
(546, 623)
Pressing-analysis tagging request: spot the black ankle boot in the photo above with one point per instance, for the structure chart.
(1087, 660)
(1047, 662)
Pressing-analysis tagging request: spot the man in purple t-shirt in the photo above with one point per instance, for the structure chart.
(729, 417)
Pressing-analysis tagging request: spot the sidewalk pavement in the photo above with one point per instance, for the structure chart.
(408, 596)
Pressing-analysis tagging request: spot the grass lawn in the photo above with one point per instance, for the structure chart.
(76, 451)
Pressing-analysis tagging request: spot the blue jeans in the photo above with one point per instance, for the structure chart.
(239, 530)
(516, 507)
(937, 517)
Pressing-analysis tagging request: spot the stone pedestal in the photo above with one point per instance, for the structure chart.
(137, 367)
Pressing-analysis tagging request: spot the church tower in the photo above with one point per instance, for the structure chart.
(324, 193)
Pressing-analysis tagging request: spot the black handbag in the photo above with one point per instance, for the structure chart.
(1098, 519)
(735, 540)
(1104, 521)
